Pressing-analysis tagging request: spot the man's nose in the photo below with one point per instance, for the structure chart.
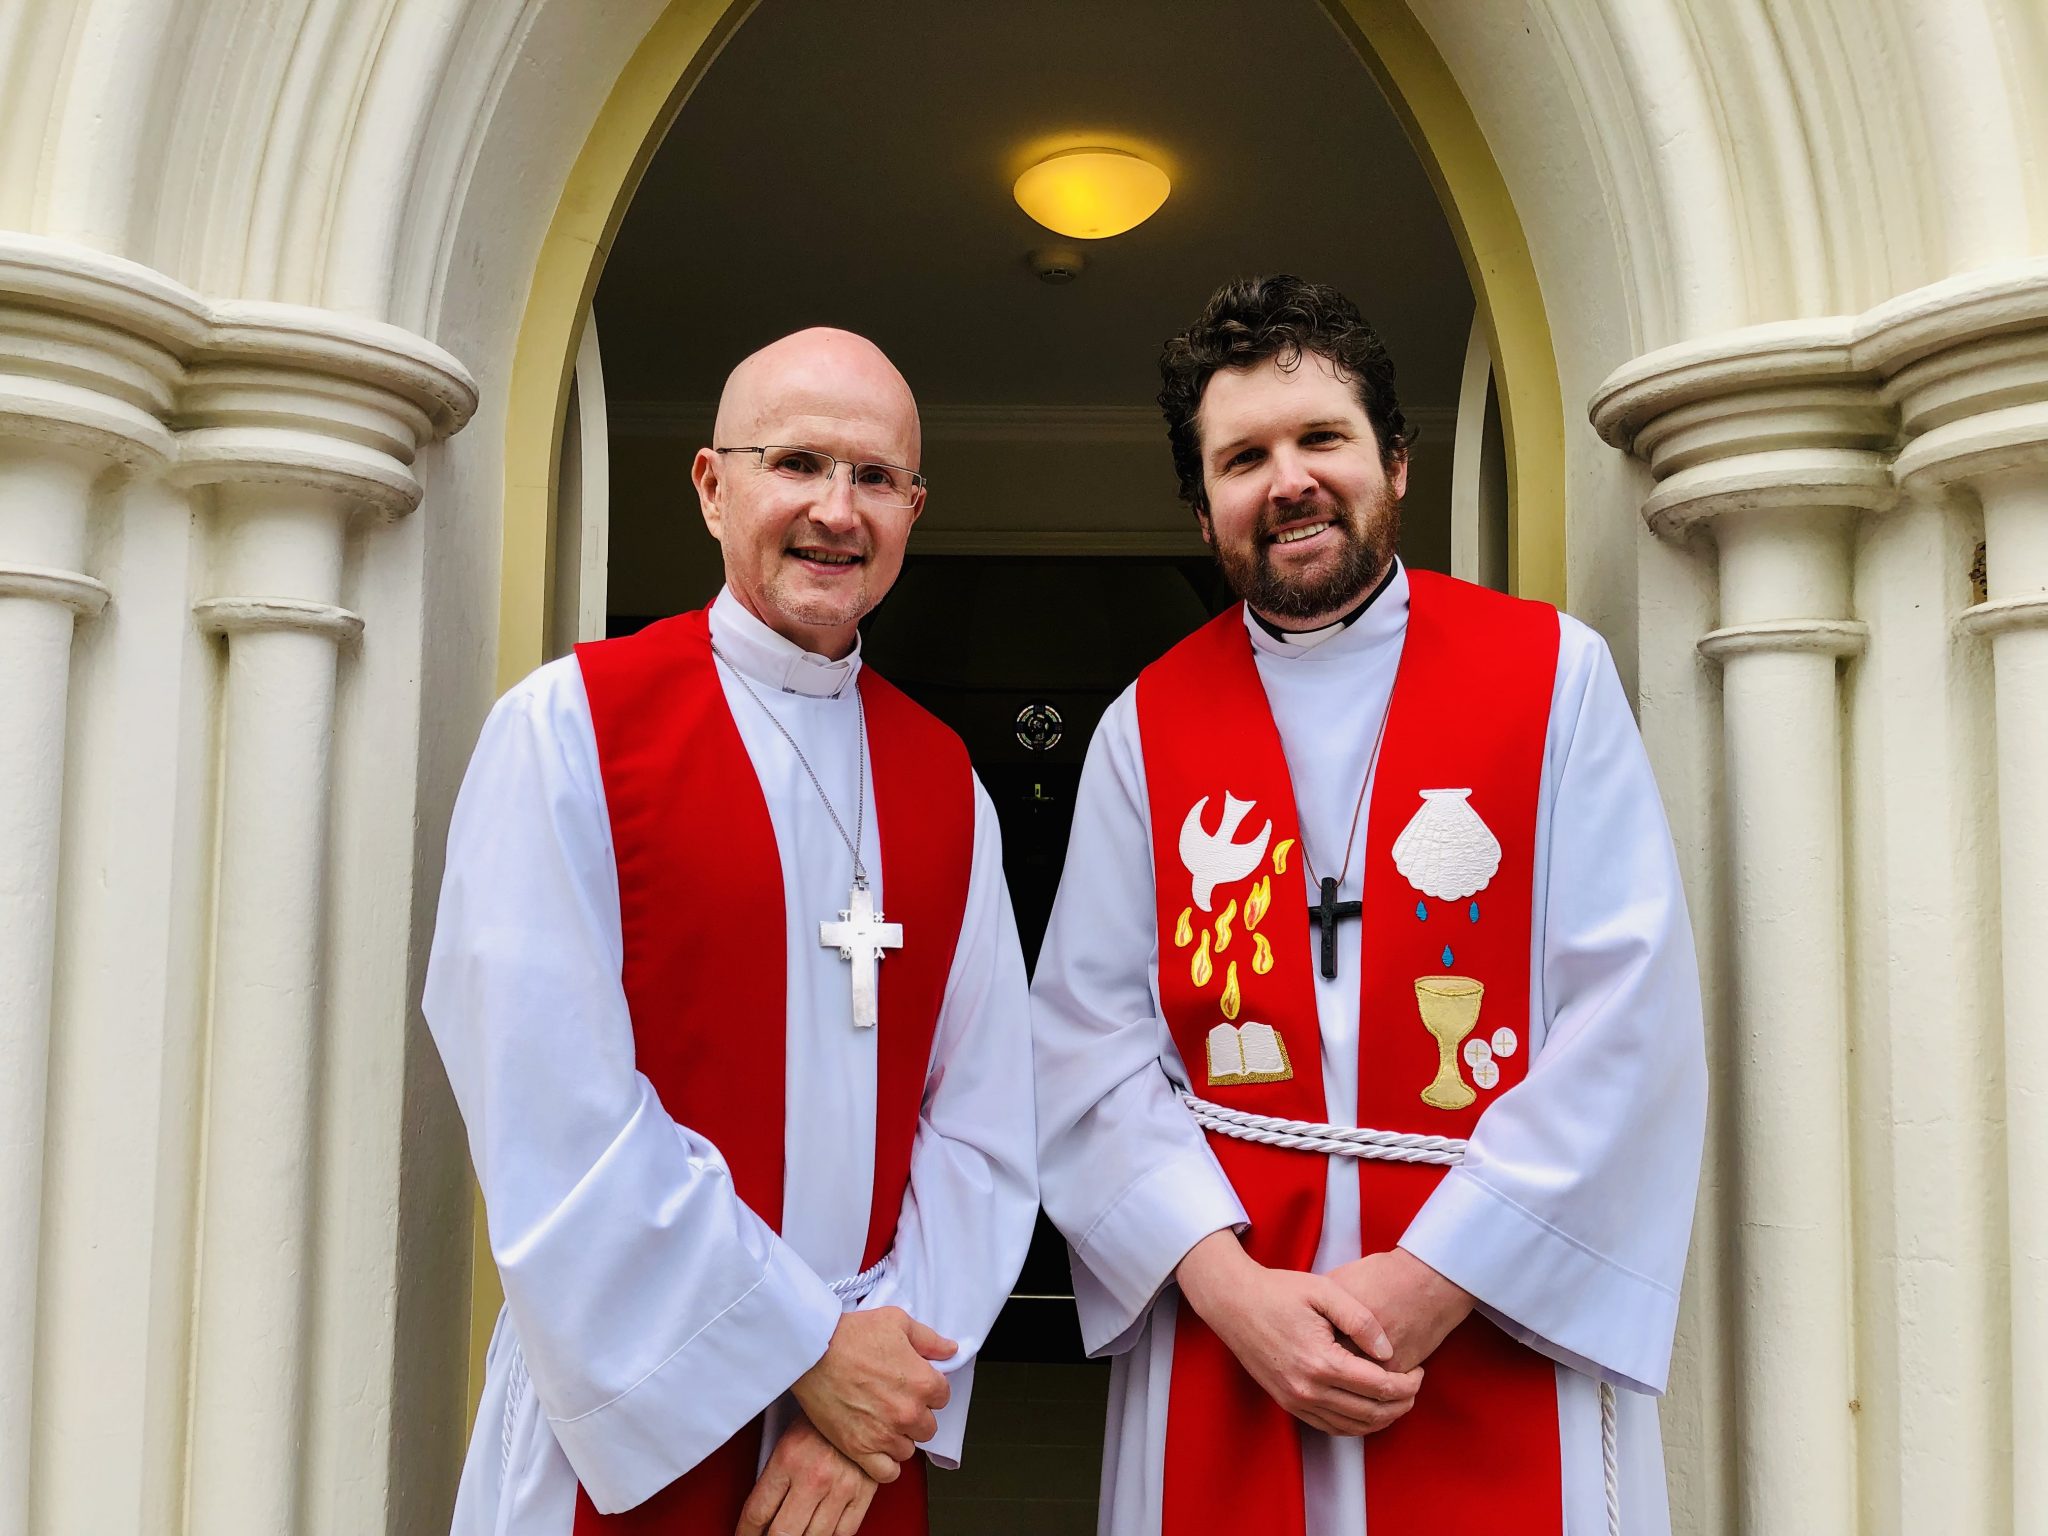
(1291, 479)
(834, 508)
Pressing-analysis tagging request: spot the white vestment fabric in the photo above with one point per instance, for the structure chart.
(649, 1314)
(1570, 1216)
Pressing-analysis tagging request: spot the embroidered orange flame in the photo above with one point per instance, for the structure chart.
(1200, 969)
(1262, 955)
(1184, 931)
(1231, 997)
(1223, 921)
(1280, 856)
(1255, 904)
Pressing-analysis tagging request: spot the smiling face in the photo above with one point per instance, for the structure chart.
(809, 557)
(1302, 514)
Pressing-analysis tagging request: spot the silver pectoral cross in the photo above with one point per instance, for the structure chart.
(861, 936)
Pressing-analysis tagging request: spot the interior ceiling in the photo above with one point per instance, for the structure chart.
(850, 164)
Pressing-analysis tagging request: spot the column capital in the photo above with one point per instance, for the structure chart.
(109, 354)
(1775, 418)
(1966, 362)
(1946, 384)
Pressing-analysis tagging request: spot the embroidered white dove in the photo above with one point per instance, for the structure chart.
(1212, 858)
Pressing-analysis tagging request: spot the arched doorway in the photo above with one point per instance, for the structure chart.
(1039, 430)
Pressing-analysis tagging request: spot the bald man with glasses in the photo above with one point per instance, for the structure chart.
(729, 991)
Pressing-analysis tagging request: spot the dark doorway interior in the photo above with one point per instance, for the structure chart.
(1021, 656)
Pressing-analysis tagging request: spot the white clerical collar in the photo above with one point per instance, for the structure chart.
(1384, 617)
(774, 660)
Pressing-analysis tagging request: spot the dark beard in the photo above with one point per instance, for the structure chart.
(1369, 543)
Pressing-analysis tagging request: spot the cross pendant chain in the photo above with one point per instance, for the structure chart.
(862, 937)
(1327, 909)
(1325, 914)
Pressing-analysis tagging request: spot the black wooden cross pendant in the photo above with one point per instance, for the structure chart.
(1326, 913)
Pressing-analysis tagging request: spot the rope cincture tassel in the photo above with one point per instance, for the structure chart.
(856, 1287)
(1393, 1147)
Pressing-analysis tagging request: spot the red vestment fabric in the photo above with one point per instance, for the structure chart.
(1470, 710)
(700, 904)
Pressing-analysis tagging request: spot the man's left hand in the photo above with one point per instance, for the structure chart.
(1417, 1306)
(807, 1489)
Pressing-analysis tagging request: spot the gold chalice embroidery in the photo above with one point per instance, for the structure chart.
(1450, 1012)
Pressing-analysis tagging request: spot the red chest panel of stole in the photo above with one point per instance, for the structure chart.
(1469, 713)
(706, 980)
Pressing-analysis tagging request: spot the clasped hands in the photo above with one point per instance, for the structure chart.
(865, 1404)
(1342, 1352)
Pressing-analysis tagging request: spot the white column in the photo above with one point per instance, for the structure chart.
(69, 414)
(1781, 708)
(277, 709)
(299, 461)
(1769, 449)
(2000, 459)
(42, 594)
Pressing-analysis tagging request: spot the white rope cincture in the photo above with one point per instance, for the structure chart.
(1337, 1140)
(856, 1287)
(515, 1394)
(1610, 1457)
(1392, 1147)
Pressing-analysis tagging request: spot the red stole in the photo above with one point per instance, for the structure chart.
(700, 901)
(1470, 709)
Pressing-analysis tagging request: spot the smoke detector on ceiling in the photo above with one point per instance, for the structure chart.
(1056, 263)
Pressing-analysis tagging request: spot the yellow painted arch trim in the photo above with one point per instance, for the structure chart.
(1468, 182)
(649, 93)
(629, 128)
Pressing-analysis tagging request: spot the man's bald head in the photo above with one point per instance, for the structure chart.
(809, 553)
(827, 375)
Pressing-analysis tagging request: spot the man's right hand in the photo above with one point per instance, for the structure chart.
(1304, 1338)
(873, 1393)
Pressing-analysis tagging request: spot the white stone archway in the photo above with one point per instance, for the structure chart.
(266, 259)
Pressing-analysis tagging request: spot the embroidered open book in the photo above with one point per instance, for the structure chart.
(1247, 1053)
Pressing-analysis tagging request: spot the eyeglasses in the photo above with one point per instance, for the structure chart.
(889, 485)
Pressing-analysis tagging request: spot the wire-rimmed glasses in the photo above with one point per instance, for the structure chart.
(889, 485)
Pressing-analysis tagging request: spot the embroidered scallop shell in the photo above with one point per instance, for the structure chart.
(1446, 851)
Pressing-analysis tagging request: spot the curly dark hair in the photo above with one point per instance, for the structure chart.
(1250, 319)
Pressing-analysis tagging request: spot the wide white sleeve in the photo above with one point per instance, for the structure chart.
(657, 1315)
(973, 1196)
(1123, 1170)
(1570, 1215)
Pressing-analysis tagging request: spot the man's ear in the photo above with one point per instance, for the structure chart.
(1397, 477)
(706, 473)
(1202, 521)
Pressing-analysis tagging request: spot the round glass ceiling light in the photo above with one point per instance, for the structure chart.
(1091, 194)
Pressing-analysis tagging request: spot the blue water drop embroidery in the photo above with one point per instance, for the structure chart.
(1447, 956)
(1475, 911)
(1422, 911)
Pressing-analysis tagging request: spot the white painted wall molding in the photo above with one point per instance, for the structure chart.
(1780, 443)
(78, 404)
(297, 430)
(1980, 404)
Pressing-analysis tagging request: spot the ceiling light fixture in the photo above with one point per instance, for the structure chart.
(1091, 194)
